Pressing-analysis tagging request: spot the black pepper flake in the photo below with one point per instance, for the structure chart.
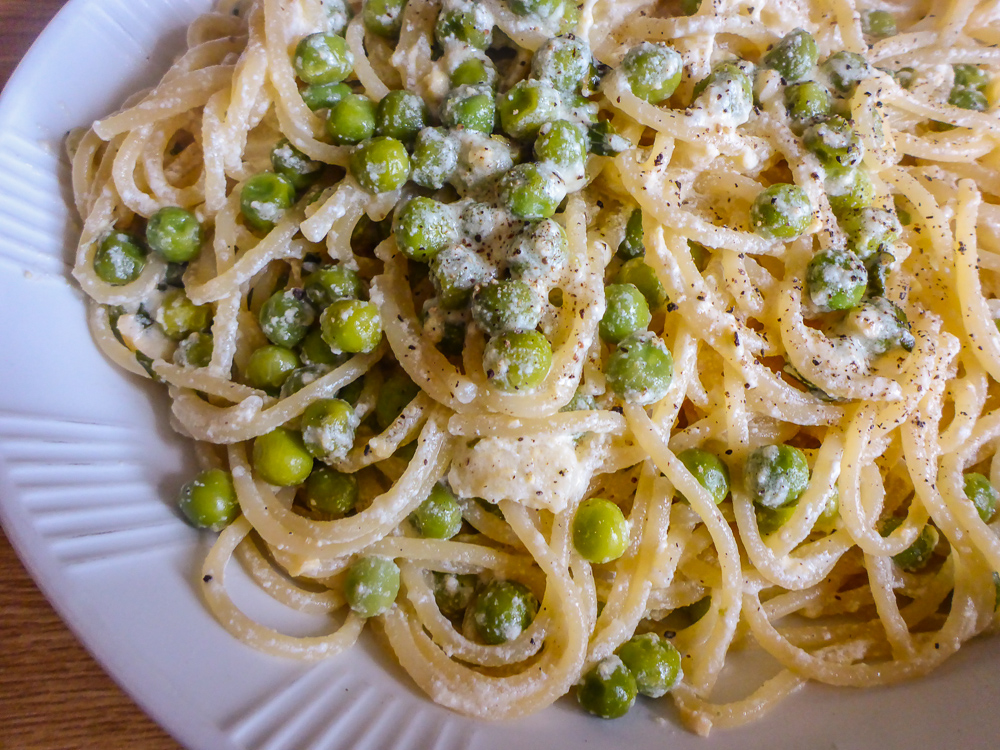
(207, 579)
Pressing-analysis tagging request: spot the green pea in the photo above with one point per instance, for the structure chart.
(878, 266)
(918, 554)
(532, 191)
(295, 166)
(329, 493)
(470, 108)
(836, 280)
(627, 312)
(879, 24)
(371, 586)
(194, 351)
(769, 520)
(470, 23)
(608, 689)
(540, 249)
(286, 316)
(328, 427)
(640, 275)
(654, 661)
(380, 165)
(709, 470)
(600, 531)
(781, 211)
(905, 77)
(395, 395)
(604, 140)
(834, 142)
(383, 17)
(632, 245)
(119, 259)
(351, 120)
(517, 360)
(178, 316)
(848, 188)
(351, 326)
(474, 71)
(323, 58)
(175, 234)
(562, 62)
(982, 494)
(527, 106)
(269, 367)
(726, 91)
(653, 71)
(562, 143)
(690, 7)
(324, 95)
(439, 516)
(502, 610)
(329, 283)
(968, 98)
(401, 115)
(846, 70)
(540, 8)
(423, 228)
(338, 13)
(580, 402)
(776, 475)
(971, 76)
(508, 305)
(454, 592)
(808, 103)
(455, 272)
(264, 199)
(870, 230)
(315, 351)
(435, 158)
(301, 377)
(640, 369)
(794, 56)
(209, 500)
(281, 458)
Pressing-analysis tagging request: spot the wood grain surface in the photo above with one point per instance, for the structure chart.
(53, 695)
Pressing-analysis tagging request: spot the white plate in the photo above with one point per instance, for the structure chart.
(88, 466)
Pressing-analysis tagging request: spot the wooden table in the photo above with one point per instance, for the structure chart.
(53, 695)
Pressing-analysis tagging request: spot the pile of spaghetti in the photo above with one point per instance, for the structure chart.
(573, 347)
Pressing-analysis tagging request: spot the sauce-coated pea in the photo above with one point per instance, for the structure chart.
(655, 663)
(380, 164)
(918, 554)
(640, 369)
(470, 23)
(401, 115)
(351, 120)
(709, 470)
(328, 427)
(517, 360)
(434, 159)
(562, 143)
(439, 516)
(264, 199)
(454, 592)
(395, 395)
(563, 62)
(175, 234)
(776, 475)
(834, 142)
(351, 326)
(371, 586)
(178, 316)
(794, 56)
(508, 305)
(846, 70)
(836, 280)
(781, 211)
(639, 274)
(295, 166)
(527, 106)
(323, 58)
(329, 283)
(383, 17)
(532, 191)
(653, 71)
(502, 610)
(627, 312)
(286, 316)
(119, 259)
(608, 689)
(423, 228)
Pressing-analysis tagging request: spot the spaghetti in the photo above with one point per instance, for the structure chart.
(575, 345)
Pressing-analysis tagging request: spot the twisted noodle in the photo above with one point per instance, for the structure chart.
(754, 362)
